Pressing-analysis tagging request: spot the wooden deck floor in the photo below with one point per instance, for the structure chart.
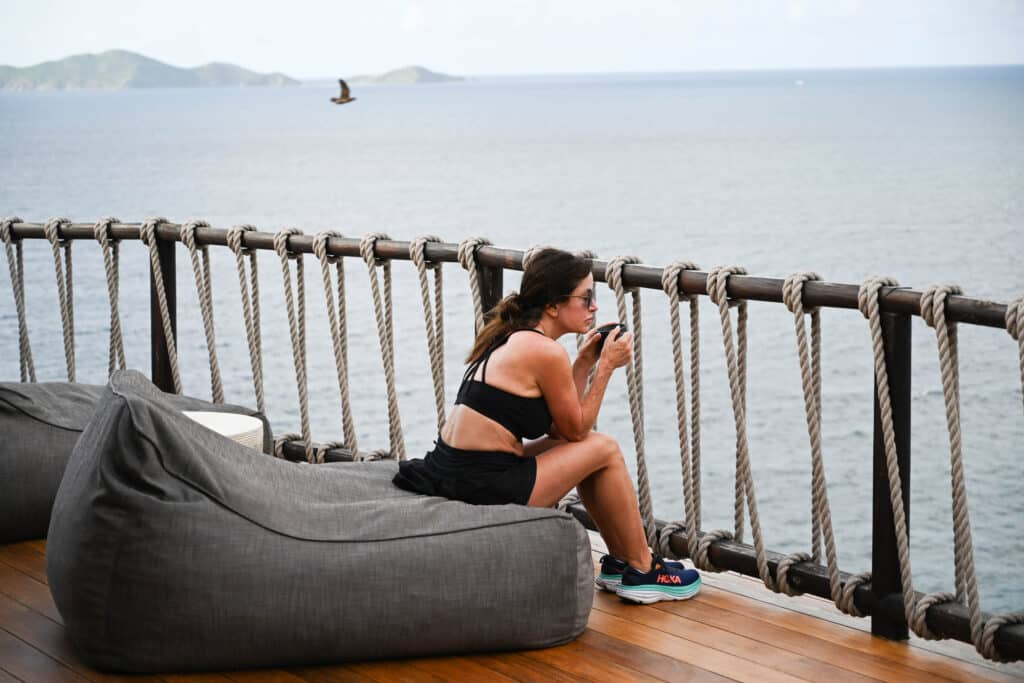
(719, 635)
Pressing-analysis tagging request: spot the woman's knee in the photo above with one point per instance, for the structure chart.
(605, 448)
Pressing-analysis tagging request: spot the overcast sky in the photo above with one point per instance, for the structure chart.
(307, 38)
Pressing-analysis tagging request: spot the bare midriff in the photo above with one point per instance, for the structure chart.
(467, 429)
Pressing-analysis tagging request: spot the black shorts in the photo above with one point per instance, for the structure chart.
(477, 477)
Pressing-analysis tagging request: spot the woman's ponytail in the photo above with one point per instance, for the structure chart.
(509, 309)
(502, 320)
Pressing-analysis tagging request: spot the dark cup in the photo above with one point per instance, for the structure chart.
(605, 330)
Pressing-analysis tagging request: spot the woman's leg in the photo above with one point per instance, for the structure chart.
(531, 449)
(596, 468)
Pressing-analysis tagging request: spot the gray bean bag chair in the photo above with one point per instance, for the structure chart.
(39, 425)
(171, 548)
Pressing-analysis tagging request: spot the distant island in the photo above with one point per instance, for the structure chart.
(409, 75)
(117, 69)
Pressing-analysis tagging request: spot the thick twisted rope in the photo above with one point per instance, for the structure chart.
(111, 265)
(988, 636)
(386, 336)
(810, 375)
(280, 441)
(634, 382)
(338, 322)
(867, 302)
(933, 311)
(147, 233)
(1015, 327)
(433, 318)
(736, 359)
(689, 444)
(16, 265)
(467, 259)
(297, 329)
(65, 290)
(204, 287)
(250, 307)
(716, 280)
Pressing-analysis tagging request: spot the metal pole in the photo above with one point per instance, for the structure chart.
(160, 362)
(886, 584)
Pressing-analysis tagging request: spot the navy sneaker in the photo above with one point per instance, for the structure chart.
(610, 577)
(612, 569)
(663, 582)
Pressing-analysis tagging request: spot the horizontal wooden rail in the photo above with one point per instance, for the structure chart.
(825, 294)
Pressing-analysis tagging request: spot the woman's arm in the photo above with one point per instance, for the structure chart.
(586, 358)
(574, 408)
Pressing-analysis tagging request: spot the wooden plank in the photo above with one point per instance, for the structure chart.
(685, 650)
(49, 638)
(29, 592)
(26, 560)
(793, 663)
(768, 607)
(329, 674)
(195, 678)
(642, 659)
(39, 545)
(392, 671)
(263, 676)
(458, 669)
(522, 668)
(850, 638)
(7, 678)
(586, 662)
(833, 662)
(30, 665)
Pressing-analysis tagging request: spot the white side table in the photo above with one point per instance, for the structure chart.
(243, 429)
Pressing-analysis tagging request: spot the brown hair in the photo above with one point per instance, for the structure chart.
(549, 278)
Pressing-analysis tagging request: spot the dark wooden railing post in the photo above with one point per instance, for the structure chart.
(886, 584)
(160, 362)
(490, 286)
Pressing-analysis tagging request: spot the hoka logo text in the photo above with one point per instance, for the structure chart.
(669, 578)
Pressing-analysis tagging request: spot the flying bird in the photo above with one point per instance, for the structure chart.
(345, 97)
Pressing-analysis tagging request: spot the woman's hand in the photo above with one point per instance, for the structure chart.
(587, 354)
(618, 348)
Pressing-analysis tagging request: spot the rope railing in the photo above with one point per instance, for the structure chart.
(204, 288)
(907, 301)
(730, 289)
(16, 266)
(250, 306)
(111, 264)
(65, 289)
(337, 319)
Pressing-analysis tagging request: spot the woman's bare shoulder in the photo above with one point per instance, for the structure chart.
(539, 347)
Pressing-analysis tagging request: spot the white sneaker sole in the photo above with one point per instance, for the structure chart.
(646, 595)
(609, 585)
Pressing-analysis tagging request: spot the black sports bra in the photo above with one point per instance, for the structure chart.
(524, 416)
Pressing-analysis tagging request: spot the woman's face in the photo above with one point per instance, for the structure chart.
(577, 312)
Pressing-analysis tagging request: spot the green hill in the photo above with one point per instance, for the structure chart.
(117, 69)
(409, 75)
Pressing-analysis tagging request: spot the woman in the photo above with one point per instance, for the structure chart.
(521, 384)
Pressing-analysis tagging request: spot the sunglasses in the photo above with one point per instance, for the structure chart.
(589, 299)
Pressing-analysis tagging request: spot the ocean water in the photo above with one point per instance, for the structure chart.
(915, 174)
